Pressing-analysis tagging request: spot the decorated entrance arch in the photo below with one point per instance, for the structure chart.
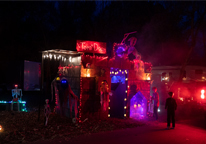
(103, 85)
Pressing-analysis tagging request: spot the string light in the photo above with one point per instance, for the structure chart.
(50, 56)
(125, 107)
(125, 99)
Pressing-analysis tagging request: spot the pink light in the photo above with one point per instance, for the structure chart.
(91, 46)
(16, 86)
(202, 94)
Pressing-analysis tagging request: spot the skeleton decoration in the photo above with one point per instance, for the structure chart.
(47, 112)
(104, 96)
(17, 95)
(63, 93)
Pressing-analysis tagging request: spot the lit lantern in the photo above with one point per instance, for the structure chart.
(108, 115)
(126, 91)
(126, 79)
(125, 115)
(1, 128)
(125, 107)
(125, 99)
(202, 94)
(108, 107)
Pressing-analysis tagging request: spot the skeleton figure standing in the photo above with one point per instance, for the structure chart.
(47, 112)
(104, 99)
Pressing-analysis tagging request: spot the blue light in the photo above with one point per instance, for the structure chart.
(23, 102)
(64, 81)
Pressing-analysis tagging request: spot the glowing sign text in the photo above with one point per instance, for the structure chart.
(91, 47)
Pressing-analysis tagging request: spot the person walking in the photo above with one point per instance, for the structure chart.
(155, 98)
(171, 106)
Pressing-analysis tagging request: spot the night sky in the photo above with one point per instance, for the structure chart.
(164, 29)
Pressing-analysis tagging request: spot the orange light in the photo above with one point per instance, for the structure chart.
(58, 78)
(139, 105)
(135, 105)
(181, 98)
(0, 128)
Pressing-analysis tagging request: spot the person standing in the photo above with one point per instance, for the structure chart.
(171, 106)
(155, 98)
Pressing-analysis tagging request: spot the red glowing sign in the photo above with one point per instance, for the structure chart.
(91, 47)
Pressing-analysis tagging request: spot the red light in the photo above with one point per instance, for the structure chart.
(91, 46)
(16, 86)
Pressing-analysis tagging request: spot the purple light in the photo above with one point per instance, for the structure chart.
(137, 106)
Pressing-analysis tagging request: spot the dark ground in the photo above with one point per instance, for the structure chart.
(186, 132)
(190, 128)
